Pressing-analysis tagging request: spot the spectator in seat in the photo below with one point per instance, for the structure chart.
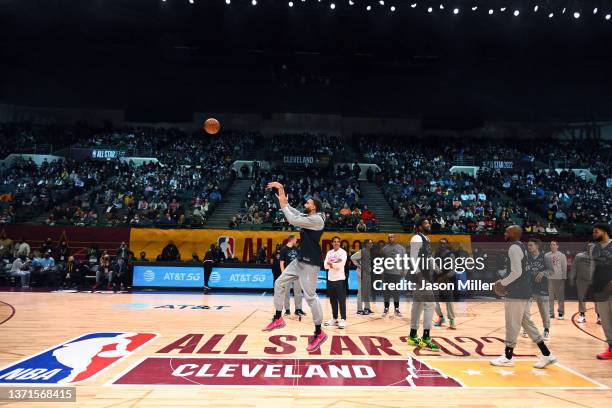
(143, 257)
(22, 248)
(63, 253)
(70, 273)
(46, 273)
(244, 170)
(123, 251)
(262, 255)
(170, 253)
(47, 246)
(20, 268)
(104, 272)
(361, 227)
(118, 275)
(6, 246)
(345, 211)
(367, 215)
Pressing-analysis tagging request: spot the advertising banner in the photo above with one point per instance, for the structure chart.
(178, 276)
(245, 244)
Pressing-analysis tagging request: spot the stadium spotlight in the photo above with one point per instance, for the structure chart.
(191, 1)
(576, 14)
(563, 11)
(228, 1)
(392, 8)
(503, 9)
(595, 10)
(369, 8)
(254, 2)
(474, 8)
(607, 16)
(535, 9)
(429, 9)
(551, 15)
(413, 5)
(332, 6)
(351, 3)
(441, 6)
(491, 11)
(456, 11)
(381, 2)
(290, 4)
(516, 13)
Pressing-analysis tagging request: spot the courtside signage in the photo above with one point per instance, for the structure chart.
(169, 276)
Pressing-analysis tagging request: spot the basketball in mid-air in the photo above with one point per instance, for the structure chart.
(212, 126)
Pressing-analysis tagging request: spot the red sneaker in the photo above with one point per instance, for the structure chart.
(316, 342)
(606, 355)
(275, 324)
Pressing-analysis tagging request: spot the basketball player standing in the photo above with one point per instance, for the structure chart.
(536, 266)
(517, 288)
(423, 301)
(307, 265)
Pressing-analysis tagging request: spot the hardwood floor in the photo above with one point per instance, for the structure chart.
(185, 350)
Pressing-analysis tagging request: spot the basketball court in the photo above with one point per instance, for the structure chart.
(190, 349)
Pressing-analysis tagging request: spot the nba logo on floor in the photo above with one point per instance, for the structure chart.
(227, 245)
(76, 360)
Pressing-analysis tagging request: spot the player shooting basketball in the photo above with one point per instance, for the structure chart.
(307, 265)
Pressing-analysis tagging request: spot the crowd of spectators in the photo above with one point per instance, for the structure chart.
(190, 173)
(54, 264)
(180, 186)
(338, 189)
(416, 180)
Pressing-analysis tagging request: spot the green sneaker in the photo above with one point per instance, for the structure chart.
(426, 343)
(414, 341)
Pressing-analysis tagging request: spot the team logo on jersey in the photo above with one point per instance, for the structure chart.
(76, 360)
(226, 244)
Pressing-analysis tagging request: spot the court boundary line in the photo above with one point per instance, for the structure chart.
(583, 330)
(13, 312)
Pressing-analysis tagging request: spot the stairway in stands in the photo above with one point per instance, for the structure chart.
(229, 205)
(373, 196)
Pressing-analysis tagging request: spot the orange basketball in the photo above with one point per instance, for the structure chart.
(212, 126)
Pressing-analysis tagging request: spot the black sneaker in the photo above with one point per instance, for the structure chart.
(299, 312)
(560, 316)
(367, 312)
(360, 312)
(287, 312)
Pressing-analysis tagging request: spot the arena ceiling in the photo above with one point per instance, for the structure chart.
(310, 57)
